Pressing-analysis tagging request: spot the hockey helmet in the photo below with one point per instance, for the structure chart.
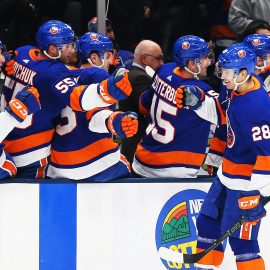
(93, 42)
(56, 33)
(189, 48)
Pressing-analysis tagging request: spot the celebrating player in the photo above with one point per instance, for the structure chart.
(175, 140)
(244, 174)
(82, 147)
(45, 69)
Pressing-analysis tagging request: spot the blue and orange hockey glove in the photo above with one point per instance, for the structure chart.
(8, 67)
(251, 205)
(189, 95)
(123, 124)
(24, 103)
(113, 89)
(7, 165)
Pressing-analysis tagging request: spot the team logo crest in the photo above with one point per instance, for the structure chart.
(54, 30)
(256, 42)
(94, 36)
(175, 228)
(185, 45)
(230, 135)
(242, 53)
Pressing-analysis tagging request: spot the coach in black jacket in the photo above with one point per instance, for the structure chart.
(147, 53)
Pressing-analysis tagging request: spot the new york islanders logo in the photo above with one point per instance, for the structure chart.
(185, 45)
(242, 53)
(94, 36)
(54, 30)
(256, 42)
(230, 135)
(175, 228)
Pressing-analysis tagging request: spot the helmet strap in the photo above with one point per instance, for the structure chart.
(92, 64)
(53, 57)
(195, 74)
(238, 83)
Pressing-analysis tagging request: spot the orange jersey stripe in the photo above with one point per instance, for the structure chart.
(10, 167)
(262, 163)
(75, 97)
(166, 158)
(218, 145)
(85, 154)
(34, 140)
(124, 159)
(236, 169)
(41, 169)
(221, 112)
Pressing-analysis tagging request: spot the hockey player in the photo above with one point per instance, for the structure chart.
(260, 44)
(26, 102)
(58, 87)
(175, 140)
(82, 148)
(245, 166)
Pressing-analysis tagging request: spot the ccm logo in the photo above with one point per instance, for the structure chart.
(249, 202)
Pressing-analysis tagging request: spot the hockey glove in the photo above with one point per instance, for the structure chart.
(25, 102)
(123, 125)
(251, 206)
(8, 67)
(7, 166)
(114, 89)
(189, 95)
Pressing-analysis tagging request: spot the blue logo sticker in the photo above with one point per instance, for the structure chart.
(176, 225)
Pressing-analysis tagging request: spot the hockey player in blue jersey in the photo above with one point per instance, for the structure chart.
(260, 44)
(26, 102)
(245, 169)
(175, 140)
(82, 147)
(45, 69)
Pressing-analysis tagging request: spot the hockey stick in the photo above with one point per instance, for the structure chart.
(174, 256)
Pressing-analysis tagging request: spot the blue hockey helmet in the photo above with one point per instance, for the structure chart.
(189, 48)
(237, 57)
(56, 33)
(259, 43)
(93, 42)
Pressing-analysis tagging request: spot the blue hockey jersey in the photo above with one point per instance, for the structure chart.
(58, 87)
(176, 139)
(246, 160)
(82, 147)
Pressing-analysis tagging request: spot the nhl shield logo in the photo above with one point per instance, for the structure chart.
(185, 45)
(54, 30)
(256, 42)
(242, 53)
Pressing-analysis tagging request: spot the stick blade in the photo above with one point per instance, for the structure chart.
(170, 255)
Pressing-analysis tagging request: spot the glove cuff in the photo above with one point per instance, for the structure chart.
(17, 109)
(104, 93)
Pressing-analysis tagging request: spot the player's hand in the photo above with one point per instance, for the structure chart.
(7, 167)
(113, 89)
(250, 203)
(8, 67)
(189, 95)
(24, 103)
(123, 124)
